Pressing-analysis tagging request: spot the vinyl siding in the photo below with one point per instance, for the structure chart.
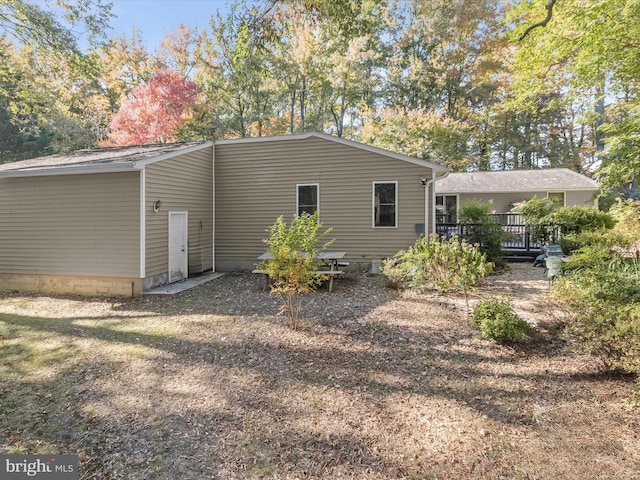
(182, 183)
(256, 183)
(70, 225)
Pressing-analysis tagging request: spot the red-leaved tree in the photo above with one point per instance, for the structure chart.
(154, 112)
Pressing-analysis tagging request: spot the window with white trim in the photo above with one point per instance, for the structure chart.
(307, 198)
(385, 204)
(557, 197)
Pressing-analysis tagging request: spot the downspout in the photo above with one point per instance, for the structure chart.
(433, 203)
(213, 199)
(143, 225)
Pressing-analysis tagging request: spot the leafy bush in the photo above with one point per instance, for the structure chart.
(497, 321)
(602, 294)
(619, 228)
(579, 225)
(575, 241)
(578, 219)
(538, 213)
(437, 263)
(626, 213)
(293, 250)
(480, 229)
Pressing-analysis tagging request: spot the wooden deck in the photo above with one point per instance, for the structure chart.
(520, 247)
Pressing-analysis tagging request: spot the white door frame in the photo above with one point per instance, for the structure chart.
(178, 271)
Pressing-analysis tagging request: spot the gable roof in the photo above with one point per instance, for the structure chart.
(554, 179)
(96, 160)
(351, 143)
(123, 159)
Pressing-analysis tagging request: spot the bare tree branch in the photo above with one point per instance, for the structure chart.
(543, 23)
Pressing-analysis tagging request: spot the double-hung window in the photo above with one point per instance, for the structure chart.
(385, 204)
(308, 198)
(557, 197)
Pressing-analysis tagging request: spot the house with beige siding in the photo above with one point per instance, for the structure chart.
(112, 221)
(505, 188)
(119, 221)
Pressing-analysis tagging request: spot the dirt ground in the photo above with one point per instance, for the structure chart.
(376, 384)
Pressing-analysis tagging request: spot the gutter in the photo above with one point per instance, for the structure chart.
(70, 170)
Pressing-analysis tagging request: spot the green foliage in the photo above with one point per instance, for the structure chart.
(538, 213)
(579, 225)
(585, 47)
(294, 249)
(436, 263)
(480, 229)
(56, 30)
(422, 134)
(626, 214)
(576, 241)
(622, 164)
(577, 219)
(586, 226)
(602, 294)
(497, 321)
(583, 226)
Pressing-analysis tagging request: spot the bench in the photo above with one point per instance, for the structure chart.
(330, 273)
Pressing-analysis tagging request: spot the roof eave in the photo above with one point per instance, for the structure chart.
(71, 170)
(555, 189)
(165, 156)
(129, 166)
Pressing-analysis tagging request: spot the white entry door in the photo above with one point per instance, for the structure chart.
(178, 246)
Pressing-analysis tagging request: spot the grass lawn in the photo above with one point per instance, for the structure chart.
(211, 384)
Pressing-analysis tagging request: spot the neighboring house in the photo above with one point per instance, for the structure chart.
(505, 188)
(119, 221)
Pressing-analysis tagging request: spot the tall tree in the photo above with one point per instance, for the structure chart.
(22, 131)
(588, 51)
(155, 111)
(57, 30)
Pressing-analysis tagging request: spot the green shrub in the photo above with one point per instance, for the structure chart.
(575, 241)
(626, 213)
(497, 321)
(437, 263)
(578, 219)
(480, 229)
(538, 213)
(602, 295)
(293, 249)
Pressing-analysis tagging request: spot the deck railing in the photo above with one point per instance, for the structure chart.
(519, 241)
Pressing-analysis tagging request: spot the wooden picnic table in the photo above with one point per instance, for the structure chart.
(330, 259)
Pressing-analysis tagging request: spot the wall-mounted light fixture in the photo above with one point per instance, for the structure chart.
(156, 205)
(423, 181)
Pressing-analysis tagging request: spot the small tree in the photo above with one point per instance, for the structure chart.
(155, 111)
(293, 261)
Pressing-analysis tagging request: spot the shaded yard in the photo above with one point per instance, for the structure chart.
(211, 384)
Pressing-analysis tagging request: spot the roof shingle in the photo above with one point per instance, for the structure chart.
(515, 181)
